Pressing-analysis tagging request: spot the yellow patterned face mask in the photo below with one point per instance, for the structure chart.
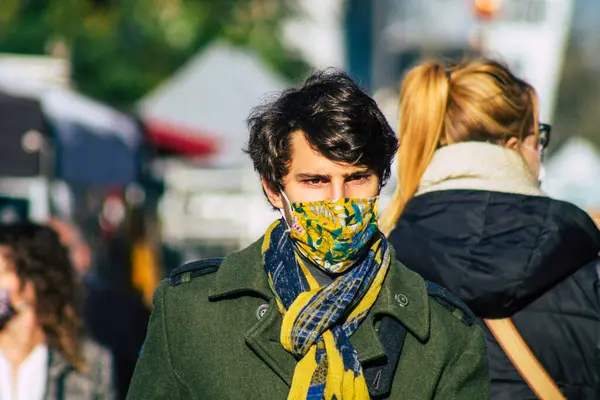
(333, 234)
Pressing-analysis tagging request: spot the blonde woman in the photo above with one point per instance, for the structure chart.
(469, 214)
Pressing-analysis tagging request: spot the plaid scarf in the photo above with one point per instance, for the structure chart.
(318, 321)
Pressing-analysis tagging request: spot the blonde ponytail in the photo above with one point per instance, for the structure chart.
(423, 102)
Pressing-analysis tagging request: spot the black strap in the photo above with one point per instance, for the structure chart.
(380, 376)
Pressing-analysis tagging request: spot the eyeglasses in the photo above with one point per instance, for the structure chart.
(543, 139)
(543, 136)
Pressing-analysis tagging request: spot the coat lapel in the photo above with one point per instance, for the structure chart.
(403, 297)
(366, 342)
(58, 367)
(263, 339)
(243, 274)
(64, 381)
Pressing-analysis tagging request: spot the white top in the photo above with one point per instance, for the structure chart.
(31, 380)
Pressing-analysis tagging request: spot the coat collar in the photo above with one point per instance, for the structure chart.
(242, 273)
(479, 166)
(403, 296)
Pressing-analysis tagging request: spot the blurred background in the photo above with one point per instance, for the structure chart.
(127, 117)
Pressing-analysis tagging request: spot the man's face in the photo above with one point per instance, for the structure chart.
(313, 177)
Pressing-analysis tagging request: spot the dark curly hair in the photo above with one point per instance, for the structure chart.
(40, 258)
(340, 121)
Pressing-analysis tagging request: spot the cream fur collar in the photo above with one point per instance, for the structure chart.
(479, 166)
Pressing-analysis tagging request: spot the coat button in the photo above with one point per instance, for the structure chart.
(261, 311)
(401, 299)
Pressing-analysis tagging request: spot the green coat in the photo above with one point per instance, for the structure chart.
(209, 337)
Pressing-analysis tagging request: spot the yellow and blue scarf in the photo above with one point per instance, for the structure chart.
(318, 321)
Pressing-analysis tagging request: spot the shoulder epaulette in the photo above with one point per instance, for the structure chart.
(191, 270)
(450, 301)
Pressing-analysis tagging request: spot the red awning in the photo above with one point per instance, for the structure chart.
(179, 139)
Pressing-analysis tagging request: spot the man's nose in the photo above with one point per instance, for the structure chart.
(338, 190)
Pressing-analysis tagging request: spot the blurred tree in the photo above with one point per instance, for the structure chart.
(120, 49)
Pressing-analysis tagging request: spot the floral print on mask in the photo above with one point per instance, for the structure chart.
(334, 233)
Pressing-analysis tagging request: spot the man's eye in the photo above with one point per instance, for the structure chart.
(313, 181)
(359, 177)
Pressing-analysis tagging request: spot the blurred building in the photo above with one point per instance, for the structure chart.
(586, 32)
(573, 174)
(384, 38)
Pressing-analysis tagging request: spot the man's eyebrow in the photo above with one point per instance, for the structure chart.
(305, 176)
(355, 174)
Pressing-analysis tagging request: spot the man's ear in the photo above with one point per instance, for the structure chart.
(274, 196)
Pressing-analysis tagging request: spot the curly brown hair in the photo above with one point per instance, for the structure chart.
(41, 259)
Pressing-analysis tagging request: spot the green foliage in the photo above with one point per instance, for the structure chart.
(120, 49)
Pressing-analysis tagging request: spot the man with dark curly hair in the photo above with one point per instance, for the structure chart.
(318, 308)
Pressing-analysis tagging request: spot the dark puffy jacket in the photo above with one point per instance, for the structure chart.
(534, 259)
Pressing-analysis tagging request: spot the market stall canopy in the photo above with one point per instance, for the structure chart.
(212, 95)
(22, 127)
(96, 144)
(173, 138)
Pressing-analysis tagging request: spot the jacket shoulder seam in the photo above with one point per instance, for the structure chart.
(457, 308)
(191, 270)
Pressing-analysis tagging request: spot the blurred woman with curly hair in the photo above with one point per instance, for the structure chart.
(43, 352)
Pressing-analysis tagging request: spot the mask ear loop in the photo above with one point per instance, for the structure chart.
(287, 200)
(21, 305)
